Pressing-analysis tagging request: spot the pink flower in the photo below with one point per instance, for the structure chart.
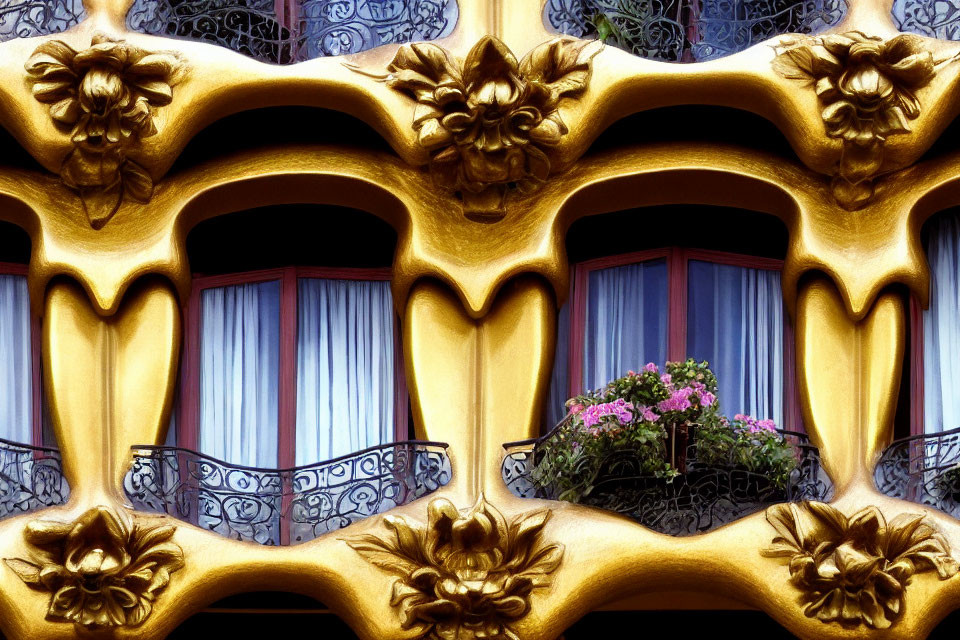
(769, 425)
(666, 378)
(707, 399)
(647, 413)
(679, 400)
(650, 367)
(575, 409)
(631, 372)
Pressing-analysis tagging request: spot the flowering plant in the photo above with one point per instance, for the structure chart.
(628, 416)
(747, 443)
(622, 430)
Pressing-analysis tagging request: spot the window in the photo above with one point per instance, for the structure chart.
(935, 333)
(20, 401)
(292, 366)
(670, 304)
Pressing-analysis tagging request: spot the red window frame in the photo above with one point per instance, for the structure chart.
(677, 260)
(188, 426)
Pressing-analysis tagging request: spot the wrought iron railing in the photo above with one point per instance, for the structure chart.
(690, 30)
(924, 469)
(31, 478)
(30, 18)
(702, 497)
(284, 506)
(320, 28)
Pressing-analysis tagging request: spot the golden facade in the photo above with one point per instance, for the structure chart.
(479, 271)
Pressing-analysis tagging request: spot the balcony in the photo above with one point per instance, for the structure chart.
(284, 506)
(31, 478)
(697, 496)
(924, 469)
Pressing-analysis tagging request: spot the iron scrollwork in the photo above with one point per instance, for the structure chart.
(31, 478)
(924, 469)
(931, 18)
(281, 506)
(702, 498)
(30, 18)
(690, 30)
(313, 29)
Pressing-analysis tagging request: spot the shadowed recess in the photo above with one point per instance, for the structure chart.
(695, 123)
(281, 236)
(274, 127)
(704, 227)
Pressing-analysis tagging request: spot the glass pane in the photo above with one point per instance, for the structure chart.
(560, 380)
(239, 373)
(941, 330)
(16, 370)
(626, 321)
(735, 321)
(289, 31)
(345, 370)
(690, 30)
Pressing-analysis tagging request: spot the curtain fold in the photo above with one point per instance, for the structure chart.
(239, 373)
(560, 378)
(16, 374)
(345, 367)
(626, 321)
(735, 321)
(941, 330)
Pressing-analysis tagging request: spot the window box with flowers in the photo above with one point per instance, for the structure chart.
(653, 445)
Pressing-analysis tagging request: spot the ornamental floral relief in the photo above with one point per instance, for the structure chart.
(106, 97)
(866, 87)
(467, 574)
(102, 573)
(855, 570)
(490, 121)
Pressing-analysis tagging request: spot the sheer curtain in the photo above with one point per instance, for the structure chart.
(735, 321)
(560, 379)
(941, 330)
(626, 321)
(345, 369)
(16, 374)
(239, 373)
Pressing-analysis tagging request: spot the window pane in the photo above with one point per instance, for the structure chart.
(16, 372)
(560, 380)
(239, 373)
(626, 321)
(345, 371)
(941, 330)
(735, 321)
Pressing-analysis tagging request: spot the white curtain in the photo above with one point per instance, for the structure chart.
(560, 379)
(345, 368)
(941, 330)
(626, 321)
(239, 373)
(735, 321)
(16, 372)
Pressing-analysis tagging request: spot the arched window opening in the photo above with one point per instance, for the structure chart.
(291, 351)
(651, 293)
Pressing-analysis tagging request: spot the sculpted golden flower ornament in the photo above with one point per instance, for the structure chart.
(100, 572)
(489, 120)
(866, 86)
(855, 570)
(107, 97)
(467, 574)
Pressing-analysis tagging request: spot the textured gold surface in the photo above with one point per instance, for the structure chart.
(478, 302)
